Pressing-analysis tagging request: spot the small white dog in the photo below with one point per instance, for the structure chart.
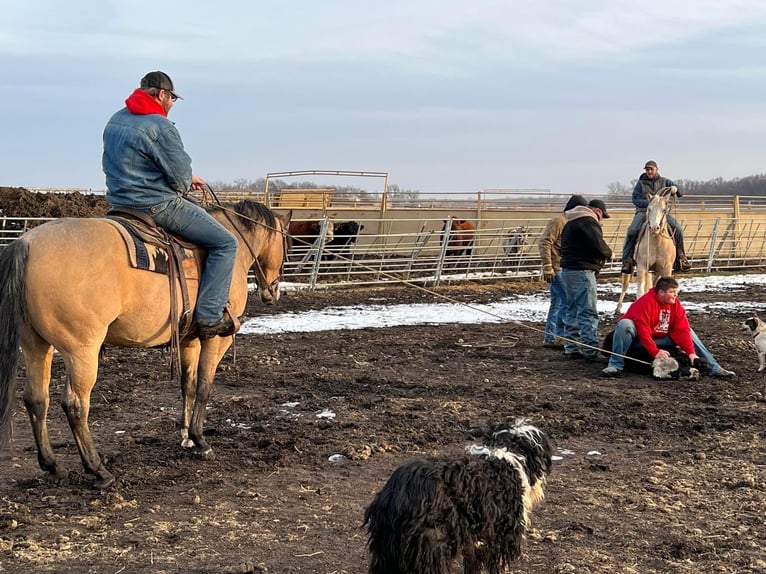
(756, 328)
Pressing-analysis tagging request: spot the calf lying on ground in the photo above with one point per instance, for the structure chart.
(677, 366)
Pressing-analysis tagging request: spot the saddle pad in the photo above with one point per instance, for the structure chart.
(148, 256)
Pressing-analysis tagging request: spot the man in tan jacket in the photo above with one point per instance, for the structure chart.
(550, 254)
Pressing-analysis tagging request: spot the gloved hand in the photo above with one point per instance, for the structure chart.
(702, 365)
(548, 274)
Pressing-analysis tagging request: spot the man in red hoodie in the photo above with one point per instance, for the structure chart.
(657, 321)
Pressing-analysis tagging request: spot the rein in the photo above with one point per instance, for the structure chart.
(261, 275)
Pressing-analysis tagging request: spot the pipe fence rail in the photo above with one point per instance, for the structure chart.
(387, 250)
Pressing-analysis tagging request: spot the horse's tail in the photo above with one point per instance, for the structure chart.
(13, 263)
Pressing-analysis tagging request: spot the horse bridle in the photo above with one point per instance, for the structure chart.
(260, 273)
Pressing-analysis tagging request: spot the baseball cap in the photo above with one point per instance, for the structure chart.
(650, 163)
(599, 204)
(161, 81)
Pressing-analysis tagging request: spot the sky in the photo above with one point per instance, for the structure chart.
(443, 95)
(529, 308)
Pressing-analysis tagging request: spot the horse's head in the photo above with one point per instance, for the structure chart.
(656, 213)
(268, 241)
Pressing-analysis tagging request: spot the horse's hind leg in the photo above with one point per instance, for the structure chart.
(189, 363)
(82, 368)
(38, 356)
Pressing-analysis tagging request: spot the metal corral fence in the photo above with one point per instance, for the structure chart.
(721, 233)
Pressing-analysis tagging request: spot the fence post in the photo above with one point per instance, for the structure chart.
(443, 251)
(713, 238)
(326, 224)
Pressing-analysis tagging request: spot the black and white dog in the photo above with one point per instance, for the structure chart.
(756, 328)
(435, 509)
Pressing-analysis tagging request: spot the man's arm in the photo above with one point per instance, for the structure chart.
(545, 245)
(638, 196)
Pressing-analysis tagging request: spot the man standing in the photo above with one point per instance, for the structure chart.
(649, 183)
(657, 321)
(147, 169)
(550, 254)
(583, 253)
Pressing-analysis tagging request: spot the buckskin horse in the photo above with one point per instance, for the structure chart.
(68, 285)
(655, 249)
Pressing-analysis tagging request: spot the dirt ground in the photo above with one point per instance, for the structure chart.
(655, 477)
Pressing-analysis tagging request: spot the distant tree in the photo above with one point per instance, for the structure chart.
(618, 188)
(396, 192)
(752, 185)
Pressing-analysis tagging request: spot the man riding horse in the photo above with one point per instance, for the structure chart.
(148, 170)
(649, 184)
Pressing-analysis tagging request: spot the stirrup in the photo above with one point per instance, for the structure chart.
(227, 326)
(627, 266)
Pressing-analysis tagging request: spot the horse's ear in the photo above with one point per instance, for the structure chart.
(286, 218)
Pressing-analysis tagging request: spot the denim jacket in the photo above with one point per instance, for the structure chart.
(144, 160)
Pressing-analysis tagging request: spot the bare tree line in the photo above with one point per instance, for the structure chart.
(750, 185)
(348, 192)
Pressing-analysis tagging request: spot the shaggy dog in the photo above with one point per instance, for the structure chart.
(677, 366)
(477, 505)
(756, 328)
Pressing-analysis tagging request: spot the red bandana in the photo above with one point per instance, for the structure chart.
(142, 104)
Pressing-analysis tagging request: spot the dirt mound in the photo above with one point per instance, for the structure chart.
(20, 202)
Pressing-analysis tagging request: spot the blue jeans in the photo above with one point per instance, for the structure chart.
(554, 324)
(631, 236)
(194, 224)
(581, 317)
(625, 337)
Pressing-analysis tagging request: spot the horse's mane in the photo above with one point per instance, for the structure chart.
(252, 213)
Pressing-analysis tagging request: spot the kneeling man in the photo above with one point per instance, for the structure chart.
(657, 321)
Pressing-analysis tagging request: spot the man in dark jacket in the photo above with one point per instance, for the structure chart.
(583, 253)
(550, 255)
(649, 183)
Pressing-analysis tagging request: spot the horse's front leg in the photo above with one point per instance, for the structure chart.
(625, 280)
(189, 364)
(643, 276)
(210, 355)
(38, 356)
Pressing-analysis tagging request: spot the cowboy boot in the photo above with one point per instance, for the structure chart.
(682, 263)
(627, 266)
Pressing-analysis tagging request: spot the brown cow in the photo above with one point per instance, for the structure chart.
(461, 237)
(305, 235)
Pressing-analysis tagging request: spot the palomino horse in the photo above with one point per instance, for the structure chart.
(655, 248)
(67, 285)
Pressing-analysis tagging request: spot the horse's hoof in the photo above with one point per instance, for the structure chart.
(204, 453)
(104, 480)
(187, 443)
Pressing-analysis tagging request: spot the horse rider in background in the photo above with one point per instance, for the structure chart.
(147, 169)
(649, 183)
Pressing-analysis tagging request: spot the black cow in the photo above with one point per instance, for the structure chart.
(344, 236)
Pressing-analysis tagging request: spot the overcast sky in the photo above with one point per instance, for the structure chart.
(445, 95)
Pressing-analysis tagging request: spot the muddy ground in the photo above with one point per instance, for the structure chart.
(655, 477)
